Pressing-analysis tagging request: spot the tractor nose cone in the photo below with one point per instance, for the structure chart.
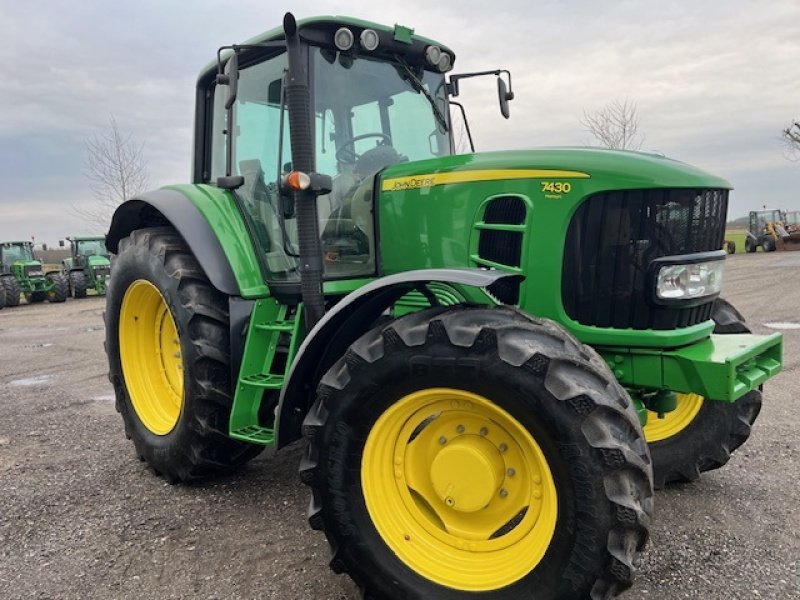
(467, 472)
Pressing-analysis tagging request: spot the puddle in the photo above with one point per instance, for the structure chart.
(31, 381)
(47, 345)
(782, 325)
(109, 398)
(90, 329)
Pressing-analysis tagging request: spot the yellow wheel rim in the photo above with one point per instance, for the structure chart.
(674, 421)
(459, 489)
(150, 353)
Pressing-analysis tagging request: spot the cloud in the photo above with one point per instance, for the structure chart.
(714, 82)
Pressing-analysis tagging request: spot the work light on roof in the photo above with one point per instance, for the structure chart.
(343, 38)
(369, 39)
(445, 62)
(432, 55)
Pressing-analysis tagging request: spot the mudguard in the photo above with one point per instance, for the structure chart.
(348, 320)
(171, 207)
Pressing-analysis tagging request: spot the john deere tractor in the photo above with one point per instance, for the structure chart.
(22, 274)
(88, 266)
(493, 357)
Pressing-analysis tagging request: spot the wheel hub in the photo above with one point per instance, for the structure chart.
(467, 473)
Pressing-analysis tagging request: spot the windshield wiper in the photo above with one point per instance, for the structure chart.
(420, 87)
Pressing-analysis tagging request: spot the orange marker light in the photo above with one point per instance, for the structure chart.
(297, 180)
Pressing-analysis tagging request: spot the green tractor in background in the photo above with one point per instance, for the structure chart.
(88, 267)
(493, 357)
(22, 274)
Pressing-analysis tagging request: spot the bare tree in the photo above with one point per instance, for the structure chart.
(116, 168)
(616, 125)
(791, 137)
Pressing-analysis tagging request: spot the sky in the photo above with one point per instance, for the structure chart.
(715, 82)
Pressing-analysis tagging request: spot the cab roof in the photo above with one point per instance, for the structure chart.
(277, 33)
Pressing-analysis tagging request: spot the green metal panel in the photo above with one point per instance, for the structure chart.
(720, 367)
(219, 209)
(430, 209)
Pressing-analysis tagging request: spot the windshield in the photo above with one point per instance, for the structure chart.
(369, 114)
(16, 253)
(793, 218)
(91, 248)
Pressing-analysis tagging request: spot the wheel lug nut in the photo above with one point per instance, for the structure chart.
(484, 431)
(460, 429)
(442, 440)
(503, 493)
(511, 472)
(503, 447)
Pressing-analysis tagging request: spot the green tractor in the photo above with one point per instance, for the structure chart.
(21, 273)
(493, 357)
(88, 266)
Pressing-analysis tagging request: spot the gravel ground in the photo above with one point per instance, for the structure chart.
(81, 517)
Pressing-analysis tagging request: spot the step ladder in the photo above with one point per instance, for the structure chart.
(265, 364)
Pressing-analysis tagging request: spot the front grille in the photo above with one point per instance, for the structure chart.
(33, 271)
(102, 272)
(500, 236)
(611, 242)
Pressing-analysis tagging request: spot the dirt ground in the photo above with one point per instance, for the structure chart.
(81, 517)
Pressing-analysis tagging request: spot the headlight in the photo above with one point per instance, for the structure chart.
(689, 281)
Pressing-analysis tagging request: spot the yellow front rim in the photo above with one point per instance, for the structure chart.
(459, 489)
(150, 353)
(675, 421)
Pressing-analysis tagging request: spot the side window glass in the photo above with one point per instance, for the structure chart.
(257, 120)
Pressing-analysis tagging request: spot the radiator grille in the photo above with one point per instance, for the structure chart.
(611, 242)
(500, 237)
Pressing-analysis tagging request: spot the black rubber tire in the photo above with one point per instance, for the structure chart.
(12, 291)
(750, 245)
(2, 296)
(198, 446)
(556, 387)
(60, 291)
(730, 247)
(77, 280)
(718, 429)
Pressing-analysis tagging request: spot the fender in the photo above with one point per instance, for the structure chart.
(208, 220)
(348, 320)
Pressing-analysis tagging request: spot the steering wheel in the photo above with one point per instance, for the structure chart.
(346, 153)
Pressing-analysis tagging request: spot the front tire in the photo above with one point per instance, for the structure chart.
(60, 288)
(77, 280)
(12, 291)
(168, 346)
(700, 435)
(477, 453)
(750, 245)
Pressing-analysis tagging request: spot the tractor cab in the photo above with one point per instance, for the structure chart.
(377, 97)
(15, 252)
(83, 248)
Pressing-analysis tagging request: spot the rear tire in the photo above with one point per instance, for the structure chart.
(12, 291)
(769, 245)
(60, 290)
(553, 388)
(77, 280)
(191, 441)
(750, 245)
(707, 432)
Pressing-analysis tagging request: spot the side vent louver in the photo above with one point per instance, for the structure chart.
(500, 237)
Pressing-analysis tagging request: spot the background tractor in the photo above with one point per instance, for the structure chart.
(21, 273)
(493, 357)
(769, 230)
(88, 267)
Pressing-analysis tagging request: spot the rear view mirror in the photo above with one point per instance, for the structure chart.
(231, 79)
(504, 96)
